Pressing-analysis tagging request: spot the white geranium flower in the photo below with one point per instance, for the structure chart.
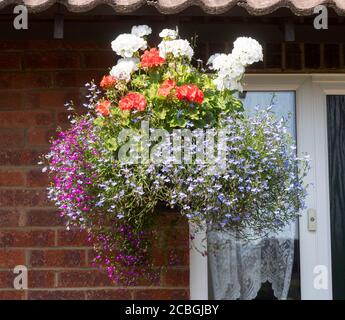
(124, 68)
(126, 44)
(226, 65)
(220, 61)
(229, 69)
(220, 83)
(178, 48)
(247, 50)
(211, 59)
(168, 33)
(229, 83)
(141, 31)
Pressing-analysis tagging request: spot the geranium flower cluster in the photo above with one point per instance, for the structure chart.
(151, 58)
(256, 188)
(190, 92)
(230, 67)
(133, 100)
(124, 69)
(177, 48)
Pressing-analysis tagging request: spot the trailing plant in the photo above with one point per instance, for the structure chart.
(160, 130)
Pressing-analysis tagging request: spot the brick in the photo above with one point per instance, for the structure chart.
(100, 60)
(20, 158)
(51, 60)
(10, 218)
(37, 238)
(159, 257)
(89, 44)
(37, 178)
(30, 99)
(12, 138)
(10, 178)
(144, 281)
(56, 295)
(24, 119)
(36, 279)
(10, 61)
(41, 279)
(12, 45)
(83, 278)
(91, 254)
(175, 236)
(11, 258)
(62, 118)
(176, 277)
(37, 45)
(72, 238)
(43, 218)
(161, 294)
(24, 136)
(178, 257)
(57, 258)
(40, 137)
(171, 219)
(24, 198)
(24, 80)
(75, 79)
(12, 295)
(22, 44)
(109, 294)
(57, 98)
(10, 101)
(6, 279)
(7, 197)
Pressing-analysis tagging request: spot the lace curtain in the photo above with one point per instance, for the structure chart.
(239, 268)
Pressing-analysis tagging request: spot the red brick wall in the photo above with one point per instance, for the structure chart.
(36, 78)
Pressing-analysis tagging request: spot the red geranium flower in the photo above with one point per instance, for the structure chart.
(166, 87)
(104, 108)
(133, 100)
(191, 92)
(108, 82)
(151, 58)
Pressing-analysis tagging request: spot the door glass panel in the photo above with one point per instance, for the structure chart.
(336, 155)
(282, 105)
(266, 268)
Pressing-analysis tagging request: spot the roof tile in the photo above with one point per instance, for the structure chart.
(254, 7)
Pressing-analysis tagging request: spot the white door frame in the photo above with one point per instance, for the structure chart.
(315, 246)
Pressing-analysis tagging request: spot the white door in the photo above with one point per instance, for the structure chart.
(308, 274)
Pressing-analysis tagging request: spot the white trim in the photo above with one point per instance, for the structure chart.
(268, 82)
(315, 247)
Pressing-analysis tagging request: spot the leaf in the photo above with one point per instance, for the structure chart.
(99, 121)
(160, 113)
(178, 122)
(112, 144)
